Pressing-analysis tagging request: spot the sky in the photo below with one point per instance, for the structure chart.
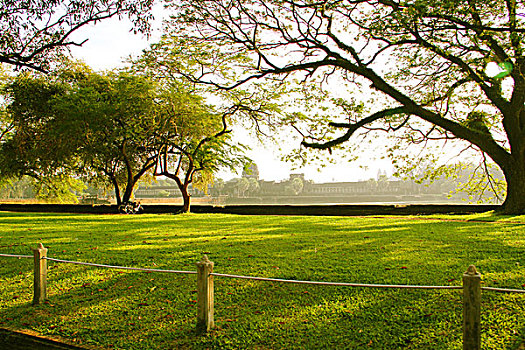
(111, 41)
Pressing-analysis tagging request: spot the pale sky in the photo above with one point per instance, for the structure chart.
(111, 41)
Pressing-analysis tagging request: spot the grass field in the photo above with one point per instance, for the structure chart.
(134, 310)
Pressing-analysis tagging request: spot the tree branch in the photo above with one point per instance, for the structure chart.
(352, 128)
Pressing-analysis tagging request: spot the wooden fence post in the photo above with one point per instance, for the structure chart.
(40, 274)
(205, 321)
(471, 309)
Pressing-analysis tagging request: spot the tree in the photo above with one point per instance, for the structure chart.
(114, 129)
(253, 186)
(193, 141)
(17, 189)
(115, 114)
(297, 185)
(95, 125)
(424, 59)
(36, 33)
(241, 186)
(6, 122)
(32, 144)
(197, 140)
(218, 187)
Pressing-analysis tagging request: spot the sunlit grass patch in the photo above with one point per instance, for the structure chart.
(134, 310)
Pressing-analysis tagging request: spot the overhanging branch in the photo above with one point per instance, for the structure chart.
(353, 127)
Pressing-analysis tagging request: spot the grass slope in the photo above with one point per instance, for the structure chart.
(134, 310)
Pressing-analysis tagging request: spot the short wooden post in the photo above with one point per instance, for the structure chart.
(40, 274)
(471, 309)
(205, 321)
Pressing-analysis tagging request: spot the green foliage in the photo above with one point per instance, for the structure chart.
(59, 189)
(115, 113)
(203, 181)
(242, 185)
(477, 121)
(33, 142)
(296, 186)
(133, 310)
(419, 65)
(113, 129)
(174, 60)
(36, 34)
(192, 135)
(506, 69)
(482, 181)
(193, 138)
(96, 125)
(253, 186)
(16, 189)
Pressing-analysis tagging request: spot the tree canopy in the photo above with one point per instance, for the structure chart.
(33, 34)
(194, 141)
(425, 61)
(113, 115)
(32, 144)
(199, 141)
(97, 126)
(113, 129)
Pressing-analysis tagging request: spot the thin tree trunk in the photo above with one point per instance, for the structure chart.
(186, 197)
(117, 191)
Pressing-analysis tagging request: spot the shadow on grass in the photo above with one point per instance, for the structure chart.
(131, 310)
(248, 315)
(158, 311)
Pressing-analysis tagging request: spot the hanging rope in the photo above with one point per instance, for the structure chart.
(118, 267)
(341, 284)
(336, 283)
(16, 256)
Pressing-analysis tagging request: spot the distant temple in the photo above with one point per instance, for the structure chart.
(248, 189)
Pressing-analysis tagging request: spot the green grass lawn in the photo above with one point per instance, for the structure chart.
(136, 310)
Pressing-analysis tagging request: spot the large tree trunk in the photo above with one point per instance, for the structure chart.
(128, 192)
(515, 177)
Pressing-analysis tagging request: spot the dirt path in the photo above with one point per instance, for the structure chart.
(11, 340)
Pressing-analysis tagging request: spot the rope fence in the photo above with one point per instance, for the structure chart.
(265, 279)
(119, 267)
(504, 290)
(340, 284)
(363, 285)
(16, 256)
(205, 291)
